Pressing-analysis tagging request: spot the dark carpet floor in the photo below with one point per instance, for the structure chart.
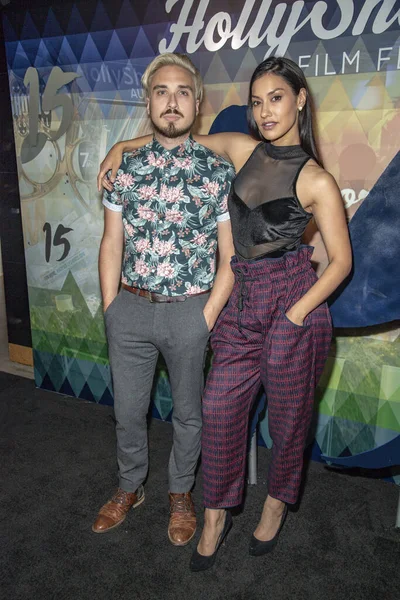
(58, 467)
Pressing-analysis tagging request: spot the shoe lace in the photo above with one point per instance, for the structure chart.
(181, 504)
(120, 497)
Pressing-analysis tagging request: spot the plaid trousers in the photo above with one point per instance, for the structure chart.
(254, 342)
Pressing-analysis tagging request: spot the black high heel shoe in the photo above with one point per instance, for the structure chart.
(258, 548)
(198, 562)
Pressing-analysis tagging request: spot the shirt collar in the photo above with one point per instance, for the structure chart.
(186, 146)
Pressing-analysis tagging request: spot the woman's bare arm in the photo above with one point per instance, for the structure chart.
(327, 207)
(235, 147)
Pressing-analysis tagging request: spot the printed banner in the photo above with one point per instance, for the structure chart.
(75, 73)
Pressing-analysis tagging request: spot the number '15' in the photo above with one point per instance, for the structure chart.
(58, 240)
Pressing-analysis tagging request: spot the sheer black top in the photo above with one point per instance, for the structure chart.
(266, 215)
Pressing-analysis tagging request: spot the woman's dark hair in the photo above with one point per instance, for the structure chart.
(294, 76)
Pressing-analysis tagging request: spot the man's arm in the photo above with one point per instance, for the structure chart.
(224, 279)
(110, 257)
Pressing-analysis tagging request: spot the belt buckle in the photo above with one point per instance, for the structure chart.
(149, 296)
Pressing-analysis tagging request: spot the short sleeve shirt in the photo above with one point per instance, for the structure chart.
(171, 202)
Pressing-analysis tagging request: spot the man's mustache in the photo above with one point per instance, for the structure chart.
(172, 111)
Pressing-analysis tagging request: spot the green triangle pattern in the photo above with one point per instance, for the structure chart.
(386, 417)
(363, 441)
(390, 383)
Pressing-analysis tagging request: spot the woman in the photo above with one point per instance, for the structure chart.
(276, 327)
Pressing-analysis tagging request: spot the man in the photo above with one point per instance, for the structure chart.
(162, 221)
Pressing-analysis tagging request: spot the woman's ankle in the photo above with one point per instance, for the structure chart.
(274, 504)
(214, 516)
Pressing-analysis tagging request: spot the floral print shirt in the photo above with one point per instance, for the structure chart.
(171, 202)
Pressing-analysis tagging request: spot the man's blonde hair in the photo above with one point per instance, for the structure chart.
(179, 60)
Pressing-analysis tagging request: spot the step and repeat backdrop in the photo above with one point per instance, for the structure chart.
(75, 70)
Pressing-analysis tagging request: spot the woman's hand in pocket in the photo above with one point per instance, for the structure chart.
(295, 317)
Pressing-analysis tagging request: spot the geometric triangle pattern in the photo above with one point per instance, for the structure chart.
(110, 44)
(70, 351)
(359, 407)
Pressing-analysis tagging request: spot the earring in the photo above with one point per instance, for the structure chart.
(300, 108)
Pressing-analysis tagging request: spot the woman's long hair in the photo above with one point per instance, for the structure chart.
(294, 76)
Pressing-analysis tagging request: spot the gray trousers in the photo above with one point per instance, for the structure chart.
(137, 331)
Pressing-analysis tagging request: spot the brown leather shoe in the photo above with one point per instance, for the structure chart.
(114, 512)
(182, 522)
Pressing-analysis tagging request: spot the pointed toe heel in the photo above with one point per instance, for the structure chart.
(259, 548)
(198, 562)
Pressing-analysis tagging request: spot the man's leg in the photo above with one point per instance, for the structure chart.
(184, 336)
(133, 359)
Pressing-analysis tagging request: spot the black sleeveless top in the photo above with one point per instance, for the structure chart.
(266, 215)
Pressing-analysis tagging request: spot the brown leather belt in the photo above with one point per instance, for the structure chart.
(153, 297)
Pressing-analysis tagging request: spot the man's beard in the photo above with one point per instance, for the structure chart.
(170, 130)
